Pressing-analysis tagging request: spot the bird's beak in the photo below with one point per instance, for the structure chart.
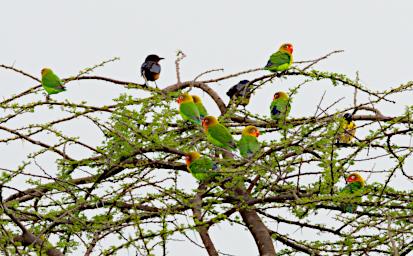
(204, 123)
(187, 161)
(179, 100)
(160, 58)
(257, 133)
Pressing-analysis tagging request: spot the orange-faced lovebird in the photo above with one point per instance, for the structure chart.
(201, 108)
(282, 59)
(218, 134)
(354, 183)
(201, 167)
(188, 109)
(51, 82)
(248, 145)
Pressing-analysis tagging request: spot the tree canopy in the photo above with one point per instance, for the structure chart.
(128, 182)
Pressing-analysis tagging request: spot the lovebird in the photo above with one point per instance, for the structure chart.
(349, 128)
(188, 109)
(150, 69)
(280, 106)
(201, 108)
(248, 145)
(354, 183)
(202, 168)
(282, 59)
(51, 82)
(241, 92)
(218, 134)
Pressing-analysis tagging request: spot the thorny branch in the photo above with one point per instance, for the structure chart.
(133, 183)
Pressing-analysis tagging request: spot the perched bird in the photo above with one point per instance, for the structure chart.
(281, 60)
(280, 106)
(354, 183)
(51, 82)
(188, 109)
(201, 109)
(218, 134)
(241, 92)
(248, 145)
(202, 168)
(348, 127)
(150, 69)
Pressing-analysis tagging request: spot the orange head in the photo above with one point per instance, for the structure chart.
(287, 48)
(251, 130)
(191, 156)
(355, 177)
(185, 97)
(281, 95)
(209, 121)
(45, 71)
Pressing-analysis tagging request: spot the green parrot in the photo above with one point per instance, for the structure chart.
(201, 109)
(202, 168)
(188, 109)
(354, 183)
(248, 145)
(218, 134)
(281, 60)
(280, 106)
(348, 127)
(51, 83)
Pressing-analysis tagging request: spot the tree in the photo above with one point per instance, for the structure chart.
(129, 187)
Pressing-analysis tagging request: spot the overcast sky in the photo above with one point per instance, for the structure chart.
(235, 35)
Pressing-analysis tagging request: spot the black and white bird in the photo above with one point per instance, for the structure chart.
(150, 69)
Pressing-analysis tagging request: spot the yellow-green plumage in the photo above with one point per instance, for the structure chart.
(51, 82)
(248, 145)
(218, 134)
(188, 109)
(354, 184)
(280, 106)
(201, 108)
(202, 168)
(281, 60)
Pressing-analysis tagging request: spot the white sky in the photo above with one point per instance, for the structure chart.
(235, 35)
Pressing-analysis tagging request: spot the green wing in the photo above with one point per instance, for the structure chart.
(220, 134)
(280, 108)
(349, 189)
(202, 110)
(279, 61)
(52, 83)
(203, 169)
(190, 112)
(352, 187)
(248, 146)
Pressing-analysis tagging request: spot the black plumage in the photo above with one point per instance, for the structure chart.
(241, 90)
(150, 69)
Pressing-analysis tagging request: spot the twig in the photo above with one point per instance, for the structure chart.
(180, 55)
